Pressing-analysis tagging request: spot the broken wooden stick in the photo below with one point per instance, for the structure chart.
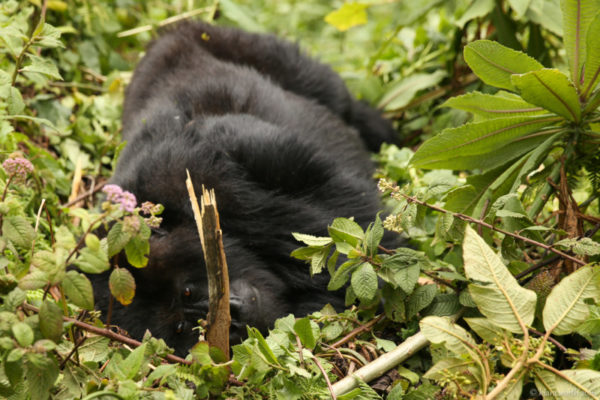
(211, 237)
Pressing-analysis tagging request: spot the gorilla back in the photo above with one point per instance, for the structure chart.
(283, 144)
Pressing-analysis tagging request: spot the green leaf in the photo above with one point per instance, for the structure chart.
(92, 262)
(551, 89)
(534, 159)
(494, 64)
(496, 292)
(346, 234)
(263, 346)
(19, 231)
(304, 330)
(404, 268)
(477, 9)
(402, 92)
(364, 282)
(486, 330)
(349, 15)
(14, 100)
(311, 240)
(23, 333)
(419, 299)
(373, 236)
(41, 371)
(565, 306)
(446, 149)
(136, 251)
(584, 246)
(122, 285)
(488, 106)
(318, 260)
(592, 57)
(49, 37)
(134, 361)
(579, 383)
(53, 264)
(78, 290)
(519, 6)
(43, 66)
(117, 238)
(51, 322)
(577, 17)
(341, 275)
(441, 330)
(35, 279)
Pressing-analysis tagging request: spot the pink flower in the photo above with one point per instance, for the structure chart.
(19, 167)
(116, 195)
(113, 193)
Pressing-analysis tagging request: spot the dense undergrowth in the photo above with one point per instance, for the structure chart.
(495, 186)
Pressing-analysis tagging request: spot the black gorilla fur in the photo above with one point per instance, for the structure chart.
(284, 145)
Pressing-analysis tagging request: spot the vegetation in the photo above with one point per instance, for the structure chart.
(495, 186)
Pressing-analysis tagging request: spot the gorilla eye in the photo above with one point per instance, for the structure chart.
(179, 327)
(187, 292)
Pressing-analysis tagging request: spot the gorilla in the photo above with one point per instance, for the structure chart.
(284, 145)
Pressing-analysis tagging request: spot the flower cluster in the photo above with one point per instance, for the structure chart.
(116, 195)
(152, 209)
(131, 224)
(18, 167)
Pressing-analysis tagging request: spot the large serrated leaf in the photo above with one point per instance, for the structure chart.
(577, 16)
(497, 293)
(419, 299)
(43, 66)
(78, 289)
(18, 230)
(491, 106)
(592, 57)
(494, 63)
(446, 148)
(122, 285)
(551, 89)
(441, 330)
(579, 383)
(364, 282)
(565, 306)
(51, 322)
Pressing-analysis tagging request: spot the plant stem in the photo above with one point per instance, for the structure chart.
(544, 194)
(489, 226)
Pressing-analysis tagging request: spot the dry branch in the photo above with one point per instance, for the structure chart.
(211, 237)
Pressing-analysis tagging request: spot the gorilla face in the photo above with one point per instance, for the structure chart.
(284, 146)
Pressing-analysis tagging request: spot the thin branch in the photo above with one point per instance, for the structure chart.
(357, 331)
(333, 396)
(108, 334)
(550, 339)
(489, 226)
(83, 195)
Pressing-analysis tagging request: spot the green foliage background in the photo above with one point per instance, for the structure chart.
(500, 133)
